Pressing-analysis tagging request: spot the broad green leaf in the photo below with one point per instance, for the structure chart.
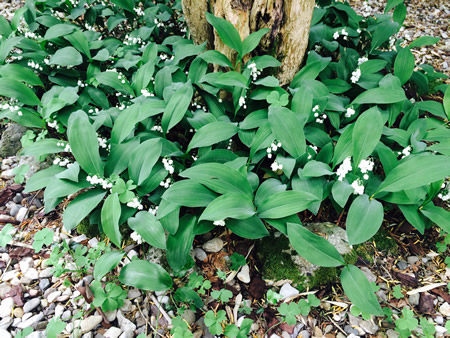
(438, 215)
(267, 189)
(227, 33)
(219, 178)
(109, 78)
(359, 291)
(312, 247)
(381, 96)
(316, 169)
(110, 216)
(404, 65)
(84, 143)
(252, 41)
(59, 189)
(415, 171)
(341, 191)
(364, 219)
(189, 193)
(424, 41)
(366, 134)
(372, 66)
(43, 147)
(285, 203)
(42, 178)
(232, 79)
(251, 228)
(71, 173)
(17, 90)
(81, 207)
(382, 33)
(177, 106)
(106, 263)
(212, 133)
(230, 205)
(80, 42)
(179, 245)
(446, 102)
(150, 229)
(344, 145)
(413, 216)
(288, 129)
(67, 56)
(7, 45)
(143, 159)
(391, 4)
(20, 73)
(216, 57)
(146, 276)
(58, 30)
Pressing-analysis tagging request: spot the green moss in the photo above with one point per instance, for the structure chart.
(88, 229)
(384, 242)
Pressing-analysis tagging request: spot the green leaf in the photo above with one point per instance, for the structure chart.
(42, 178)
(285, 203)
(80, 42)
(359, 291)
(146, 276)
(344, 145)
(382, 33)
(366, 134)
(110, 79)
(177, 106)
(110, 216)
(312, 247)
(251, 228)
(150, 229)
(415, 171)
(438, 215)
(364, 219)
(143, 158)
(214, 322)
(316, 169)
(380, 96)
(391, 4)
(413, 216)
(404, 65)
(106, 263)
(212, 133)
(341, 191)
(288, 129)
(5, 235)
(290, 311)
(446, 102)
(58, 30)
(19, 73)
(125, 4)
(189, 193)
(179, 245)
(41, 238)
(227, 33)
(252, 41)
(84, 143)
(230, 205)
(216, 57)
(81, 207)
(17, 90)
(424, 41)
(67, 57)
(54, 327)
(232, 79)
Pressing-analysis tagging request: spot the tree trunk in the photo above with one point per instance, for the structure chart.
(288, 21)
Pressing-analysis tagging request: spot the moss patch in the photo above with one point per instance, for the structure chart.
(88, 229)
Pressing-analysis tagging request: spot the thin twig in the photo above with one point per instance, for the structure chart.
(160, 308)
(336, 324)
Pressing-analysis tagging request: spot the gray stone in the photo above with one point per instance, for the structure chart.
(14, 210)
(444, 309)
(31, 321)
(124, 323)
(288, 291)
(213, 245)
(44, 284)
(10, 142)
(392, 334)
(26, 263)
(6, 307)
(4, 289)
(189, 316)
(5, 334)
(90, 323)
(32, 274)
(133, 293)
(46, 273)
(414, 299)
(31, 305)
(305, 334)
(244, 274)
(369, 274)
(126, 307)
(18, 198)
(111, 315)
(112, 332)
(5, 323)
(127, 334)
(66, 315)
(21, 214)
(369, 326)
(412, 259)
(52, 297)
(200, 254)
(402, 265)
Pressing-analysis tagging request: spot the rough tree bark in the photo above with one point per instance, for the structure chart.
(288, 21)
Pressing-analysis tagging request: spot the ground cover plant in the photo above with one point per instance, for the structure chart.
(148, 142)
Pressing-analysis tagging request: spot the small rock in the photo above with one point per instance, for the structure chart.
(29, 322)
(392, 334)
(126, 307)
(6, 307)
(52, 297)
(412, 260)
(369, 274)
(59, 309)
(9, 275)
(46, 273)
(5, 323)
(112, 332)
(4, 289)
(21, 214)
(444, 309)
(369, 327)
(18, 312)
(200, 254)
(124, 323)
(33, 292)
(189, 316)
(304, 334)
(31, 305)
(287, 290)
(90, 323)
(66, 315)
(440, 330)
(213, 245)
(44, 284)
(439, 320)
(7, 174)
(133, 293)
(32, 274)
(414, 299)
(244, 274)
(284, 334)
(14, 210)
(18, 198)
(5, 334)
(111, 315)
(93, 242)
(402, 265)
(127, 334)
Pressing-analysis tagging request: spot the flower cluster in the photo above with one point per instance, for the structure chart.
(343, 32)
(350, 112)
(31, 35)
(157, 128)
(253, 71)
(158, 23)
(366, 166)
(445, 194)
(220, 223)
(34, 65)
(129, 40)
(314, 148)
(165, 57)
(230, 142)
(12, 108)
(273, 147)
(167, 183)
(53, 124)
(356, 75)
(276, 166)
(136, 237)
(361, 60)
(146, 93)
(135, 204)
(199, 106)
(103, 143)
(242, 102)
(66, 146)
(98, 180)
(358, 187)
(405, 152)
(344, 168)
(62, 162)
(168, 165)
(153, 211)
(139, 11)
(81, 84)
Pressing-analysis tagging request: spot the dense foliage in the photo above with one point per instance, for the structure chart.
(154, 143)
